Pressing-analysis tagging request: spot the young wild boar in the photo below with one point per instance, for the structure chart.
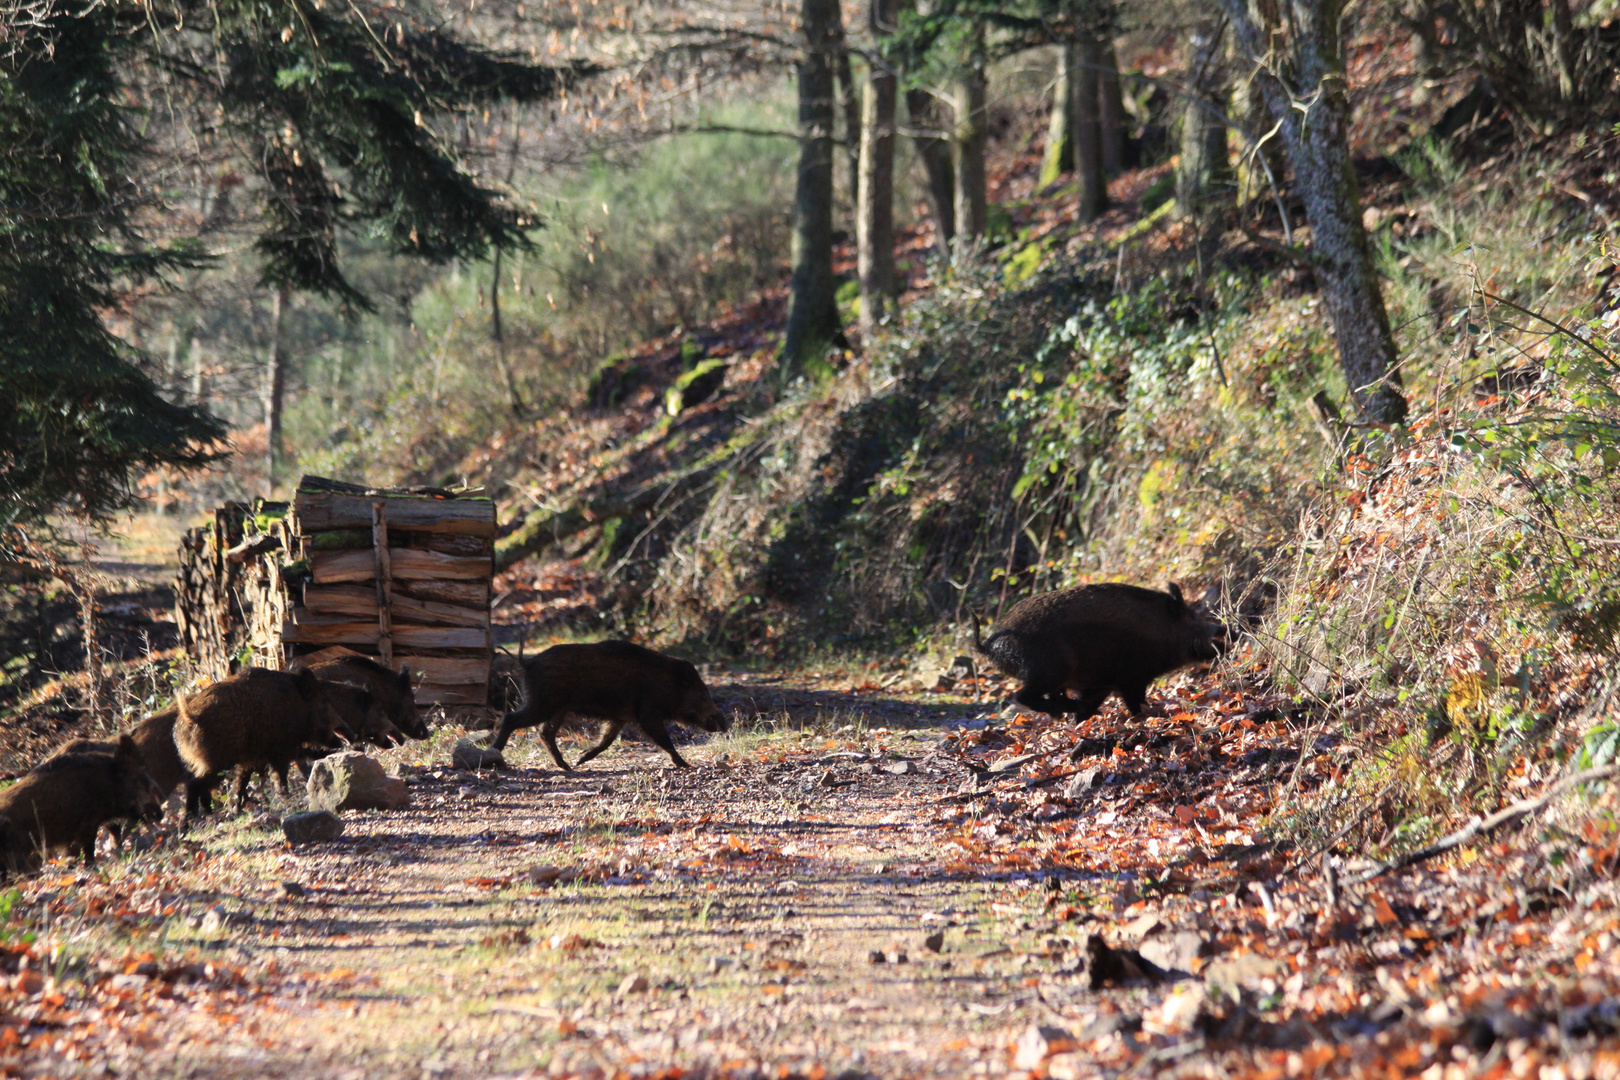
(154, 738)
(252, 720)
(59, 806)
(613, 681)
(1097, 640)
(392, 689)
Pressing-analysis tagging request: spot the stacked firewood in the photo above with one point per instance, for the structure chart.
(399, 574)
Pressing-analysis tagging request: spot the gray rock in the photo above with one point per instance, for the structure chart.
(1175, 952)
(467, 755)
(353, 781)
(312, 827)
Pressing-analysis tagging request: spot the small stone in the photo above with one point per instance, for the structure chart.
(352, 781)
(1084, 780)
(827, 779)
(292, 890)
(214, 921)
(1249, 970)
(1039, 1042)
(544, 875)
(128, 982)
(896, 956)
(876, 957)
(900, 768)
(718, 964)
(475, 758)
(312, 827)
(1180, 951)
(935, 942)
(633, 984)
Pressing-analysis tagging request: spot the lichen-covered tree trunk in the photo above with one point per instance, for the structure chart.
(812, 308)
(1299, 66)
(967, 147)
(849, 102)
(874, 215)
(1088, 160)
(1203, 167)
(1058, 157)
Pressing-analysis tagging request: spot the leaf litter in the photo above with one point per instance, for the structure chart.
(860, 881)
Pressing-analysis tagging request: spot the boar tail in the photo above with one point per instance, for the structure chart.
(978, 643)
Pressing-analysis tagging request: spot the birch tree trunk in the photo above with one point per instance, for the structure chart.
(1299, 68)
(874, 216)
(812, 308)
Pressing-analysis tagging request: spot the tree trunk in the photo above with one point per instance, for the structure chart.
(812, 308)
(1204, 168)
(1112, 105)
(967, 146)
(874, 216)
(1311, 64)
(925, 114)
(1259, 167)
(1059, 155)
(849, 99)
(1088, 163)
(275, 384)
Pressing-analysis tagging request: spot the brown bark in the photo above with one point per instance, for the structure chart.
(849, 101)
(874, 217)
(1308, 66)
(1204, 168)
(1088, 162)
(926, 117)
(1112, 104)
(812, 308)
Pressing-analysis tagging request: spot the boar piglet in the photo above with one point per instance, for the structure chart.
(59, 806)
(613, 681)
(1097, 640)
(253, 720)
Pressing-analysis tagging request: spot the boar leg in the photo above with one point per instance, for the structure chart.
(511, 722)
(612, 732)
(242, 777)
(1051, 702)
(1134, 696)
(655, 730)
(548, 735)
(199, 797)
(1090, 701)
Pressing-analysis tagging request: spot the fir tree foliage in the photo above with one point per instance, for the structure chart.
(332, 105)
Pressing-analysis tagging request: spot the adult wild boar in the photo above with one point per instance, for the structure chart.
(613, 681)
(255, 719)
(391, 689)
(58, 807)
(1097, 640)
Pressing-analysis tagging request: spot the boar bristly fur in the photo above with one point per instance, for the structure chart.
(58, 807)
(392, 689)
(614, 681)
(1097, 640)
(251, 721)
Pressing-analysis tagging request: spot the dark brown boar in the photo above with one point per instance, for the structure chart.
(1097, 640)
(154, 738)
(392, 689)
(613, 681)
(254, 720)
(59, 806)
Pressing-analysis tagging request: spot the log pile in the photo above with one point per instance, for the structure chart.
(399, 574)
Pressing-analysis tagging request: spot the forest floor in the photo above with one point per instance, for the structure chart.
(841, 886)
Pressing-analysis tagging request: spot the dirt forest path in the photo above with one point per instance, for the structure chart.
(837, 888)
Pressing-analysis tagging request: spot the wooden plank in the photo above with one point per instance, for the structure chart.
(385, 581)
(368, 633)
(463, 594)
(448, 669)
(317, 511)
(331, 566)
(437, 693)
(358, 601)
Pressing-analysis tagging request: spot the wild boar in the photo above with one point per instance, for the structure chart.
(154, 738)
(613, 681)
(59, 806)
(253, 720)
(1097, 640)
(392, 689)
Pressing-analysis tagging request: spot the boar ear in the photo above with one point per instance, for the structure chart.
(307, 684)
(126, 745)
(1175, 593)
(405, 676)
